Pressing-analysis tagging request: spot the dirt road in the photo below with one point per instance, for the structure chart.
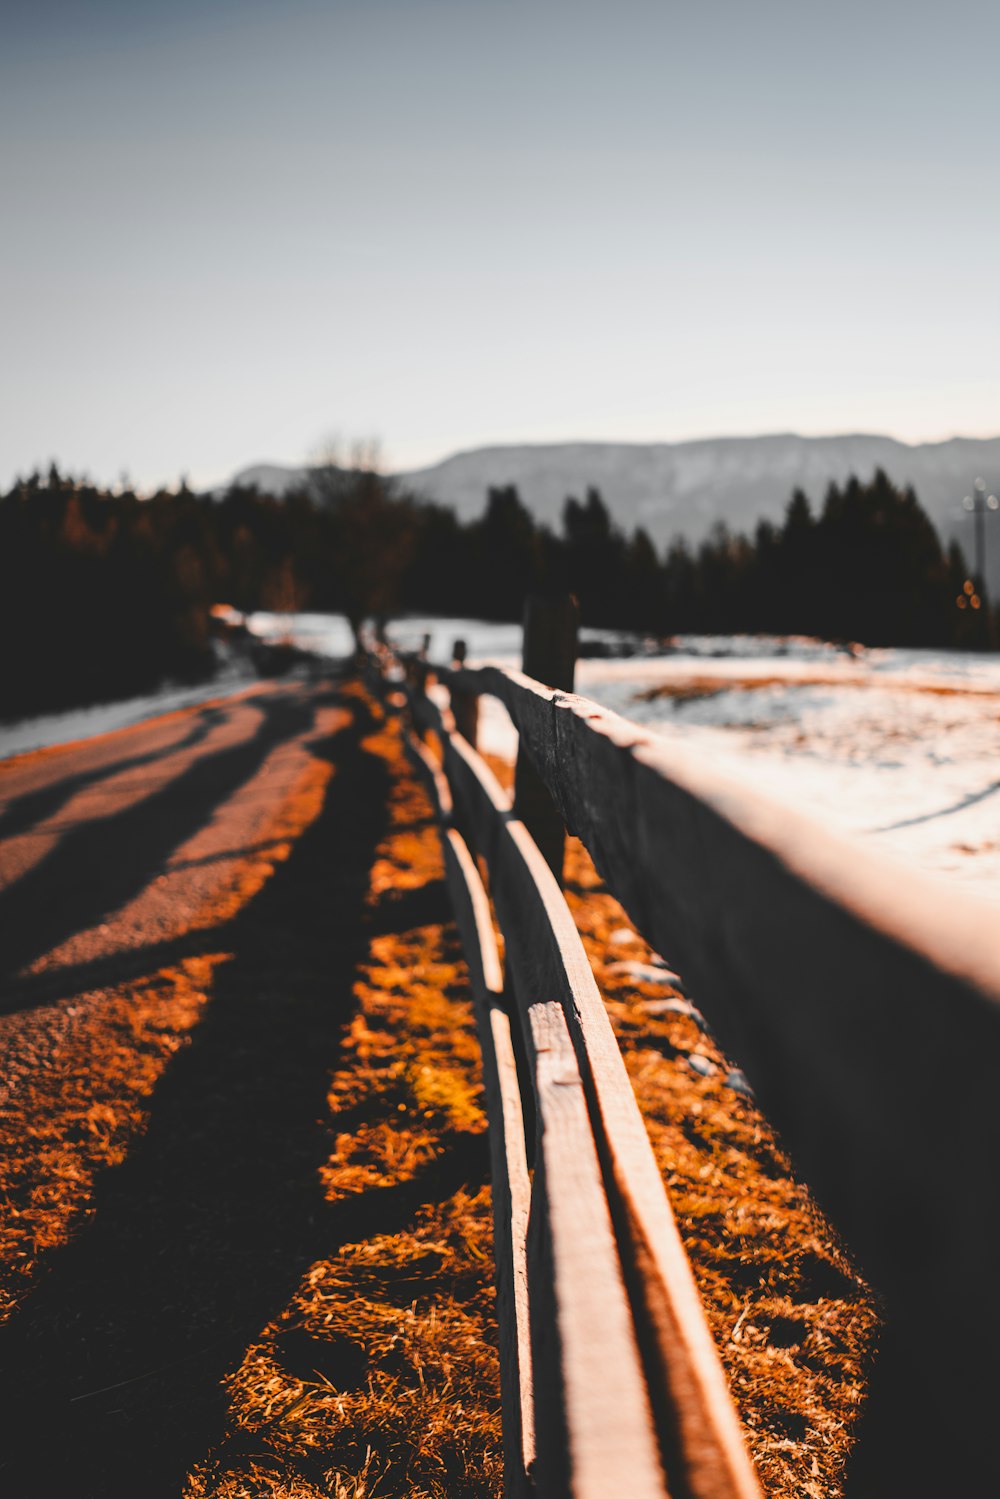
(244, 1219)
(200, 878)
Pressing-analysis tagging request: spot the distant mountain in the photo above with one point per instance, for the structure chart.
(684, 488)
(270, 478)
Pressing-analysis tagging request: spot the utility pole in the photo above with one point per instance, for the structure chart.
(977, 503)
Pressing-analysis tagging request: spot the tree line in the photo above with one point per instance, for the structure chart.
(868, 566)
(104, 594)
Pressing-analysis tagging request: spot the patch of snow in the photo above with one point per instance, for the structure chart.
(325, 634)
(702, 1065)
(899, 746)
(645, 973)
(621, 935)
(101, 718)
(739, 1082)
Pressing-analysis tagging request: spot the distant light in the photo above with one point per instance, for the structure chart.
(969, 502)
(980, 484)
(969, 586)
(961, 601)
(993, 502)
(974, 601)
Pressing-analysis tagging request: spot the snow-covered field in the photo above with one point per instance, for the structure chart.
(900, 747)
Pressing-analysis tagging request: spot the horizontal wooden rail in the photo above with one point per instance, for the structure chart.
(511, 1187)
(628, 1389)
(862, 1000)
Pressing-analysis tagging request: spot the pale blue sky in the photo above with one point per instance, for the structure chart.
(232, 229)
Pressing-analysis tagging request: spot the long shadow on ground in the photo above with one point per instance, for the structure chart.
(205, 1232)
(98, 867)
(31, 807)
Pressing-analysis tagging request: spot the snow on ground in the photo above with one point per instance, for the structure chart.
(326, 634)
(901, 747)
(485, 641)
(101, 718)
(914, 770)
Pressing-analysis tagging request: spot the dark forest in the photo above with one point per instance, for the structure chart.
(104, 594)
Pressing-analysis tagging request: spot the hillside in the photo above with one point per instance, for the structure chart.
(685, 488)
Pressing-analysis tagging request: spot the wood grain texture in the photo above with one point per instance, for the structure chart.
(551, 624)
(594, 1421)
(599, 1437)
(862, 999)
(510, 1183)
(694, 1414)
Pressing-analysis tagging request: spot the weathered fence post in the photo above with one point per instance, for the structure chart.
(548, 655)
(417, 670)
(464, 705)
(423, 670)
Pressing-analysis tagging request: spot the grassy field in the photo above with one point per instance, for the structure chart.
(248, 1242)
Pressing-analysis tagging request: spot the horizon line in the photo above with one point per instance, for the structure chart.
(202, 485)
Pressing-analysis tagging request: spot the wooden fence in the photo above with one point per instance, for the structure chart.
(864, 1004)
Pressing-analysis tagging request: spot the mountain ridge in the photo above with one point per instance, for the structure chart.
(686, 488)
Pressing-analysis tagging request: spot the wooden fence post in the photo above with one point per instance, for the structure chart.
(548, 655)
(464, 705)
(417, 670)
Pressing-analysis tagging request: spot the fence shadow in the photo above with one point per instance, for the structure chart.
(204, 1233)
(101, 865)
(24, 811)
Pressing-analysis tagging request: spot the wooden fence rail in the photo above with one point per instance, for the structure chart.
(610, 1376)
(864, 1004)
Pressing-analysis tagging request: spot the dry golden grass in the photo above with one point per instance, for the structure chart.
(794, 1322)
(67, 1121)
(51, 1148)
(378, 1374)
(380, 1377)
(411, 1313)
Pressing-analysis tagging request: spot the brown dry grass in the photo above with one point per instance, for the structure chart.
(81, 1113)
(793, 1321)
(377, 1375)
(690, 688)
(51, 1149)
(381, 1375)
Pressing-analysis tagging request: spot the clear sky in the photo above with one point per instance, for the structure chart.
(230, 229)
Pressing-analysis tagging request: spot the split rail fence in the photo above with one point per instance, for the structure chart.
(863, 1004)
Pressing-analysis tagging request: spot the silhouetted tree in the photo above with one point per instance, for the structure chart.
(507, 551)
(370, 539)
(103, 594)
